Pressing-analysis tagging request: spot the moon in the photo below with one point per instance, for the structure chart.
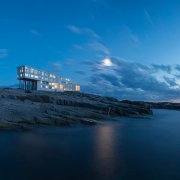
(107, 62)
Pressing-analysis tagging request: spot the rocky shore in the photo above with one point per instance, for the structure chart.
(22, 109)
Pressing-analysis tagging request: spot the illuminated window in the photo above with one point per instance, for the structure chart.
(77, 88)
(61, 86)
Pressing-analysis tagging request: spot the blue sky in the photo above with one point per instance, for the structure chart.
(72, 38)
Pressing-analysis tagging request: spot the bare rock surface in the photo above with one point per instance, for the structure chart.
(19, 108)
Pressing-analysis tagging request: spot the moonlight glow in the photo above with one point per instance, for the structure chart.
(107, 62)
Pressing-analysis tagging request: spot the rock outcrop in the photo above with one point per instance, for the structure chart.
(20, 108)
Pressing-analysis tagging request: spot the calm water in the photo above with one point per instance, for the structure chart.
(127, 149)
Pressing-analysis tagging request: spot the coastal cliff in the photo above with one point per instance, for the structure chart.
(19, 108)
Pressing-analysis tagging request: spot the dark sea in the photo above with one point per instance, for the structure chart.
(123, 149)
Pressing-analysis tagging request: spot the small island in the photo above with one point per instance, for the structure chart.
(27, 109)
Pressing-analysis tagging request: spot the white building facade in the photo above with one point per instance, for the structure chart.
(34, 79)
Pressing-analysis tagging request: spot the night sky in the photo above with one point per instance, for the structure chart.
(129, 49)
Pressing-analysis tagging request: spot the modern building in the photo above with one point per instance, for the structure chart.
(34, 79)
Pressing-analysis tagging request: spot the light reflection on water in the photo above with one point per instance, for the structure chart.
(128, 149)
(105, 154)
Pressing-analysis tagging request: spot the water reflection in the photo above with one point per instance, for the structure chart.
(106, 150)
(127, 149)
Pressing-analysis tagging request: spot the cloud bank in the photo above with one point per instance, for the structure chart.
(135, 81)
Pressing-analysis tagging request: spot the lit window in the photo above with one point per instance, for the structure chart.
(61, 86)
(77, 88)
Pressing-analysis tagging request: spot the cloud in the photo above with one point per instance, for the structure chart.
(77, 46)
(177, 67)
(133, 38)
(70, 62)
(3, 53)
(95, 42)
(148, 17)
(87, 63)
(98, 46)
(166, 68)
(35, 32)
(80, 72)
(56, 66)
(86, 31)
(74, 29)
(130, 80)
(171, 81)
(92, 33)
